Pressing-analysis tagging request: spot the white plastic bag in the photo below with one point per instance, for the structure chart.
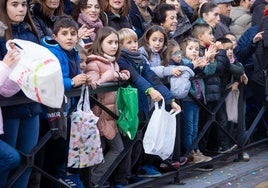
(38, 73)
(231, 102)
(159, 137)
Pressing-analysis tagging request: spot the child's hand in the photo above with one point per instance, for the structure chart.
(11, 57)
(155, 95)
(176, 71)
(124, 74)
(257, 37)
(175, 106)
(211, 52)
(234, 86)
(244, 79)
(218, 45)
(80, 79)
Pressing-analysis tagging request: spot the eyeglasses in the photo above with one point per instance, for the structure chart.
(177, 53)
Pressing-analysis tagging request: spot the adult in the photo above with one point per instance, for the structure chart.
(140, 15)
(183, 25)
(256, 10)
(87, 15)
(222, 27)
(165, 15)
(44, 13)
(209, 13)
(21, 122)
(116, 13)
(189, 7)
(241, 17)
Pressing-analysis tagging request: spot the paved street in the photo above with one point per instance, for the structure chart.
(227, 173)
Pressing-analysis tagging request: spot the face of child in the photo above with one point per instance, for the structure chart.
(207, 37)
(16, 10)
(192, 50)
(229, 49)
(156, 41)
(83, 59)
(171, 21)
(110, 44)
(176, 54)
(92, 10)
(131, 44)
(52, 4)
(67, 38)
(232, 38)
(116, 5)
(212, 17)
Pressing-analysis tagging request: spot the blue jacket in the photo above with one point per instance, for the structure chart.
(142, 77)
(19, 31)
(69, 61)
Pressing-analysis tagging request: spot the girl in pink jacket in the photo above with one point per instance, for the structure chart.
(102, 67)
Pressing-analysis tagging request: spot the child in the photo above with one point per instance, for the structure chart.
(9, 157)
(235, 80)
(153, 45)
(65, 33)
(102, 67)
(179, 85)
(216, 83)
(21, 122)
(148, 84)
(200, 65)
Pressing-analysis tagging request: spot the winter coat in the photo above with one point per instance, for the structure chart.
(187, 10)
(241, 20)
(69, 61)
(102, 70)
(155, 63)
(115, 21)
(182, 29)
(19, 31)
(257, 11)
(260, 57)
(180, 85)
(44, 24)
(137, 20)
(142, 77)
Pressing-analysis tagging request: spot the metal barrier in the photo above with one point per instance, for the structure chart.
(28, 159)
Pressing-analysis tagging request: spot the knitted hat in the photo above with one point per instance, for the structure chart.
(221, 1)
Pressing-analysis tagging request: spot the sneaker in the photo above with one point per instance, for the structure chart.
(205, 168)
(147, 171)
(166, 164)
(195, 158)
(244, 156)
(72, 181)
(206, 158)
(223, 150)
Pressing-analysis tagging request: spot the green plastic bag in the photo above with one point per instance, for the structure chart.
(127, 105)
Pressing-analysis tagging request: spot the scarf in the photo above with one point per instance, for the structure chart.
(110, 58)
(136, 57)
(97, 24)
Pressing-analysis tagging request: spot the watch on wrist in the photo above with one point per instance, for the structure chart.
(72, 82)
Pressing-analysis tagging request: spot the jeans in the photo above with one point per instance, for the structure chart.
(9, 159)
(190, 118)
(22, 134)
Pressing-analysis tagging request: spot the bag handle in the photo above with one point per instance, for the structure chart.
(157, 104)
(84, 103)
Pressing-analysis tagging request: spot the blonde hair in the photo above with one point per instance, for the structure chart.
(126, 33)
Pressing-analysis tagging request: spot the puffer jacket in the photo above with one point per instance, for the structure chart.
(241, 20)
(102, 70)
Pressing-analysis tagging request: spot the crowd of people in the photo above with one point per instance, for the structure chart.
(144, 42)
